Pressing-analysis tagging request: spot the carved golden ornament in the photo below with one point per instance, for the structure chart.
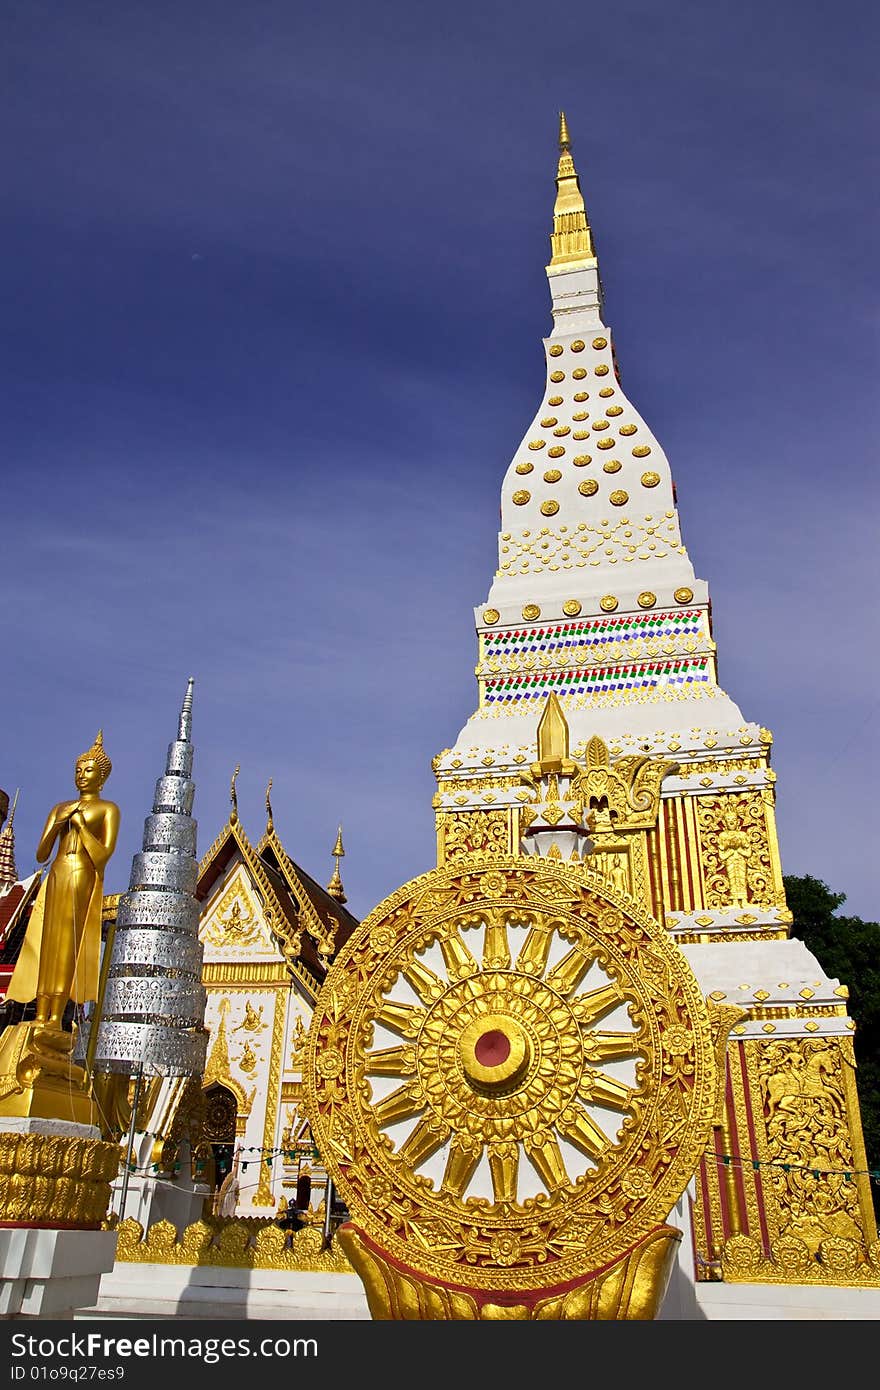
(474, 832)
(231, 1244)
(523, 468)
(581, 434)
(683, 595)
(562, 431)
(579, 373)
(556, 350)
(521, 497)
(600, 425)
(571, 608)
(55, 1180)
(581, 395)
(531, 612)
(601, 370)
(599, 343)
(540, 1127)
(737, 865)
(612, 466)
(642, 451)
(548, 422)
(581, 460)
(651, 480)
(605, 443)
(608, 603)
(808, 1089)
(618, 498)
(549, 508)
(646, 599)
(535, 444)
(557, 376)
(607, 391)
(552, 475)
(578, 345)
(556, 452)
(626, 429)
(491, 615)
(554, 400)
(588, 487)
(581, 415)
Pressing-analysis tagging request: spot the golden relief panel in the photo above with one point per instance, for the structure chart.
(818, 1206)
(472, 832)
(736, 852)
(236, 922)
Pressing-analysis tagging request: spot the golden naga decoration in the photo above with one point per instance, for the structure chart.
(60, 956)
(622, 796)
(510, 1077)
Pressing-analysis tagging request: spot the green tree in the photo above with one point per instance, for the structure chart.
(848, 950)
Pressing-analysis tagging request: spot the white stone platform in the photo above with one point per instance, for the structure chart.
(51, 1273)
(209, 1291)
(167, 1291)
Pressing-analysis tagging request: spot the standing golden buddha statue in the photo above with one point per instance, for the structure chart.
(60, 955)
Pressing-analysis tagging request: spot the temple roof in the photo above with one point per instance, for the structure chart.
(308, 923)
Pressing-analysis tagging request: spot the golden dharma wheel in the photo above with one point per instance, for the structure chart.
(510, 1074)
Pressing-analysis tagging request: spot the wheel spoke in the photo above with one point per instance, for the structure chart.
(400, 1105)
(544, 1154)
(581, 1131)
(391, 1061)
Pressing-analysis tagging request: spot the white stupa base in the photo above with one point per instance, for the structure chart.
(149, 1200)
(52, 1273)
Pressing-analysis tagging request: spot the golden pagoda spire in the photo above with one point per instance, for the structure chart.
(571, 240)
(334, 887)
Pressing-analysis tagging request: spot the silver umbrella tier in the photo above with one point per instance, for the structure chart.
(153, 1011)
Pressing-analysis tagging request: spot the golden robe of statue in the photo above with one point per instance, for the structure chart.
(60, 955)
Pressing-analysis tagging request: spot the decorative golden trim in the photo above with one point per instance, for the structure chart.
(241, 975)
(235, 1244)
(264, 1197)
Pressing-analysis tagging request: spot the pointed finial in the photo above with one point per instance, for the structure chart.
(184, 729)
(11, 821)
(233, 796)
(571, 240)
(334, 887)
(553, 741)
(8, 870)
(270, 824)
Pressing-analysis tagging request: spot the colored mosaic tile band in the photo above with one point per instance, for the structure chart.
(646, 676)
(552, 636)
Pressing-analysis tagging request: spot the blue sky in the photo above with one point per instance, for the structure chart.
(274, 292)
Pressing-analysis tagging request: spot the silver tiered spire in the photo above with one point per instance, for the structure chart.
(152, 1019)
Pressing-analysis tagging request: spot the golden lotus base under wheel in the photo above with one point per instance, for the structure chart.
(631, 1289)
